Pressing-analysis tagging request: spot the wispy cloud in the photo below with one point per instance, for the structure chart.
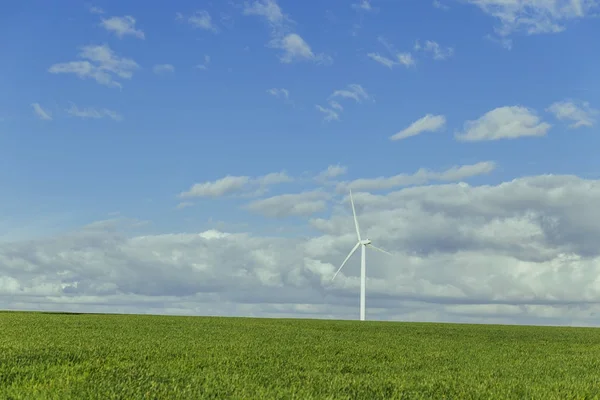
(438, 52)
(330, 114)
(363, 5)
(332, 171)
(162, 68)
(122, 26)
(535, 16)
(96, 10)
(279, 92)
(429, 123)
(205, 64)
(100, 63)
(231, 184)
(440, 5)
(396, 57)
(41, 113)
(353, 91)
(293, 47)
(421, 177)
(579, 112)
(91, 112)
(285, 205)
(201, 19)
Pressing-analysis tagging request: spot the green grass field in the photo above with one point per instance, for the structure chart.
(85, 356)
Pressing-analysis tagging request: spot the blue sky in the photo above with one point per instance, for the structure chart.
(190, 92)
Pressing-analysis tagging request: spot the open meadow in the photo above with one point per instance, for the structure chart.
(87, 356)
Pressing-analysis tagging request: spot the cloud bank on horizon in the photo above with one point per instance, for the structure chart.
(196, 160)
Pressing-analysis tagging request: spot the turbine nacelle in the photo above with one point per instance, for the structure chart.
(365, 242)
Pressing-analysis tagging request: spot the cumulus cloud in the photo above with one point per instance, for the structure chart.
(41, 113)
(429, 123)
(504, 123)
(421, 177)
(580, 113)
(99, 63)
(235, 184)
(523, 251)
(122, 26)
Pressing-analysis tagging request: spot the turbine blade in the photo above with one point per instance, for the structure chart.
(378, 249)
(354, 214)
(347, 258)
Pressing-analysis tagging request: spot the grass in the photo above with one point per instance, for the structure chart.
(85, 356)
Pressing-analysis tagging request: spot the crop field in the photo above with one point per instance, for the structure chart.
(87, 356)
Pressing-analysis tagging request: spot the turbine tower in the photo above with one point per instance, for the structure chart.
(363, 243)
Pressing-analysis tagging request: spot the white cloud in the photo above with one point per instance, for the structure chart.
(437, 51)
(440, 5)
(399, 58)
(364, 5)
(382, 60)
(184, 204)
(504, 123)
(335, 105)
(285, 205)
(101, 64)
(41, 113)
(579, 112)
(332, 171)
(206, 63)
(535, 16)
(218, 188)
(96, 10)
(296, 49)
(354, 91)
(406, 59)
(235, 184)
(161, 68)
(429, 123)
(491, 253)
(268, 9)
(122, 26)
(90, 112)
(330, 114)
(421, 177)
(201, 19)
(279, 92)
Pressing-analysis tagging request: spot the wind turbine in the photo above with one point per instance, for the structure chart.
(363, 243)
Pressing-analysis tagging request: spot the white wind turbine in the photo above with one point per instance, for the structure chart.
(363, 243)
